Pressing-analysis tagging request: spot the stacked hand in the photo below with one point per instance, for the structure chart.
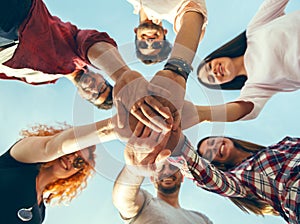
(149, 116)
(129, 95)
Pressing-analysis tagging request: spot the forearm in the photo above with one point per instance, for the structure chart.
(107, 57)
(126, 193)
(188, 37)
(80, 137)
(224, 113)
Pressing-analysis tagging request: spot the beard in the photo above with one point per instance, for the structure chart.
(148, 25)
(168, 190)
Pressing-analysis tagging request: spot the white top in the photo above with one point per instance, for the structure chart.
(31, 76)
(272, 56)
(170, 10)
(157, 211)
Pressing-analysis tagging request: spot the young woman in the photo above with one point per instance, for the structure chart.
(48, 165)
(262, 61)
(263, 180)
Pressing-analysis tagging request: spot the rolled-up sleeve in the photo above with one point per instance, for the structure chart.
(86, 38)
(256, 95)
(190, 6)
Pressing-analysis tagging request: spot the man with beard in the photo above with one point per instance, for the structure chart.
(188, 17)
(137, 206)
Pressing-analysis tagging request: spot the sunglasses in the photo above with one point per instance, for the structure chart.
(161, 167)
(145, 44)
(79, 163)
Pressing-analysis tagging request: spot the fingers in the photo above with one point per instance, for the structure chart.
(136, 112)
(162, 155)
(177, 120)
(142, 131)
(158, 106)
(153, 114)
(121, 114)
(164, 124)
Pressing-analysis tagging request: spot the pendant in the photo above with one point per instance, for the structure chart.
(25, 214)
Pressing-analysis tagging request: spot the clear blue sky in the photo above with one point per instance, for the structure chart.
(23, 105)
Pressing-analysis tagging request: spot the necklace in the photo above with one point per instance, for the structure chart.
(25, 214)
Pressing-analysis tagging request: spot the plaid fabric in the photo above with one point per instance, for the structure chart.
(272, 174)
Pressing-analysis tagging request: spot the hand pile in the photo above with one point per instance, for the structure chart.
(149, 116)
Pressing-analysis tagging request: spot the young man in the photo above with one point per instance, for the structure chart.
(151, 43)
(138, 206)
(39, 48)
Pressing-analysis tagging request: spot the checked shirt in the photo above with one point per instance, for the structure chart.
(272, 174)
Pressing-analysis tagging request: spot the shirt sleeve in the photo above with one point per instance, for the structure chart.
(268, 11)
(86, 38)
(147, 198)
(190, 6)
(207, 176)
(258, 96)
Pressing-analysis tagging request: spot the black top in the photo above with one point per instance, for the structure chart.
(18, 188)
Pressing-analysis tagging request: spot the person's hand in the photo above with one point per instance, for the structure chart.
(144, 149)
(176, 85)
(129, 94)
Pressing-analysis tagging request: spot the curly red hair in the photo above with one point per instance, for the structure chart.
(62, 190)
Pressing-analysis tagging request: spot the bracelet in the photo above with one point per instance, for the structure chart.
(179, 66)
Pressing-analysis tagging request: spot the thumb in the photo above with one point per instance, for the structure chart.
(163, 155)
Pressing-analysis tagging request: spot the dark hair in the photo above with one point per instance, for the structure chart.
(152, 59)
(234, 48)
(108, 103)
(250, 203)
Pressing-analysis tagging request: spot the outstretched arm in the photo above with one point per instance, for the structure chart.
(126, 195)
(195, 114)
(182, 55)
(131, 87)
(46, 148)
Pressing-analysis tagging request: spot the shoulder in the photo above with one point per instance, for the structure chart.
(201, 216)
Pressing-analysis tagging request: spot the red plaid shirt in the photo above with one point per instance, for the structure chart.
(272, 175)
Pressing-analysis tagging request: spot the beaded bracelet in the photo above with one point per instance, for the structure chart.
(179, 66)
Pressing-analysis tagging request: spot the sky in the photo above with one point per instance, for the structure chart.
(23, 105)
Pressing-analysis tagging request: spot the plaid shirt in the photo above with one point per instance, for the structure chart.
(272, 174)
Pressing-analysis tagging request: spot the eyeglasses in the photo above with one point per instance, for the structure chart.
(79, 163)
(146, 44)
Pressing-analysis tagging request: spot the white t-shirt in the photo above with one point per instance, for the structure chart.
(170, 10)
(272, 58)
(157, 211)
(31, 76)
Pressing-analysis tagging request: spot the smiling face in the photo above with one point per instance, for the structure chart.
(70, 164)
(220, 150)
(150, 38)
(92, 87)
(218, 71)
(167, 178)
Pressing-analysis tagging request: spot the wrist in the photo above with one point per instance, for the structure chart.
(178, 149)
(179, 66)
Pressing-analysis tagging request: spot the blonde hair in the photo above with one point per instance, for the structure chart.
(251, 203)
(62, 190)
